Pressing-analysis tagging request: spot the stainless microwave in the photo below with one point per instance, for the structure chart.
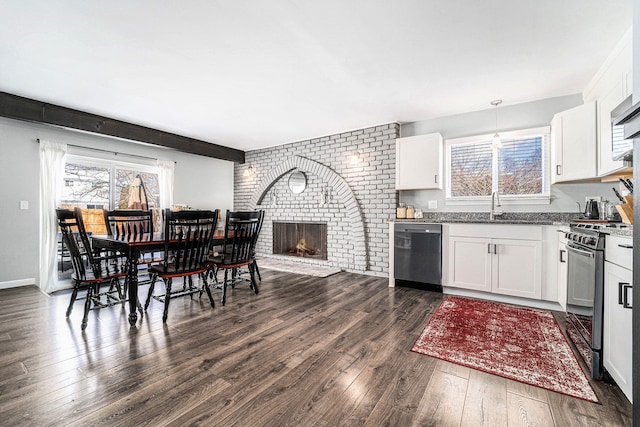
(621, 148)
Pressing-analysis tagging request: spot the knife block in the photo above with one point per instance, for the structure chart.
(626, 210)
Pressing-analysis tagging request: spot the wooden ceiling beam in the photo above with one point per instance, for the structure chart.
(31, 110)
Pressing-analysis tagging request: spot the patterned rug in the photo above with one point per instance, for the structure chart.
(519, 343)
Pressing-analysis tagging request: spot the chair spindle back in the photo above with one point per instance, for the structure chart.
(121, 222)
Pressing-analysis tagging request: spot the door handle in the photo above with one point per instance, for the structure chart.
(582, 252)
(436, 178)
(488, 248)
(626, 246)
(620, 292)
(562, 251)
(558, 169)
(625, 295)
(495, 249)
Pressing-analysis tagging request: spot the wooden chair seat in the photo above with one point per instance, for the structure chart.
(173, 271)
(220, 262)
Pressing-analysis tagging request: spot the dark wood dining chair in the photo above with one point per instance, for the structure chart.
(238, 272)
(238, 248)
(90, 270)
(187, 239)
(127, 222)
(259, 215)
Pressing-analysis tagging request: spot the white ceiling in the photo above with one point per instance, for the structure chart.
(250, 74)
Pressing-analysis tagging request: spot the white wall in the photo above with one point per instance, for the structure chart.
(514, 117)
(636, 51)
(200, 182)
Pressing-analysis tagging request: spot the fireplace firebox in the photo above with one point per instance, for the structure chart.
(300, 239)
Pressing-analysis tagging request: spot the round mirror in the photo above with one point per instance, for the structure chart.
(297, 182)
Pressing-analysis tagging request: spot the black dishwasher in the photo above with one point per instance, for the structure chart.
(418, 253)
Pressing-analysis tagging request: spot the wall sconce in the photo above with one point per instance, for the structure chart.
(356, 158)
(495, 141)
(325, 195)
(249, 172)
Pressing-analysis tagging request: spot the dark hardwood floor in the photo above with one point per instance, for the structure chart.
(304, 352)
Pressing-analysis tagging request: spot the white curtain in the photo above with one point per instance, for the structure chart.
(165, 177)
(52, 162)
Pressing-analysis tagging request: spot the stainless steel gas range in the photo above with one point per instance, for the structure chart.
(585, 290)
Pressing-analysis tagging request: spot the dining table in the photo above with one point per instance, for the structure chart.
(131, 246)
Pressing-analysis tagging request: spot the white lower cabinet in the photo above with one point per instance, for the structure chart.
(618, 297)
(495, 264)
(470, 263)
(517, 268)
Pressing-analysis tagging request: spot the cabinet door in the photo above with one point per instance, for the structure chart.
(419, 162)
(470, 263)
(574, 144)
(517, 268)
(562, 273)
(606, 103)
(617, 334)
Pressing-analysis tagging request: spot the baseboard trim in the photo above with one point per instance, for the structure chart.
(544, 305)
(17, 283)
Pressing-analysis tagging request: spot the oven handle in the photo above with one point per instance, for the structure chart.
(581, 251)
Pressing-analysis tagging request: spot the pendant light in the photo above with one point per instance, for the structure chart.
(495, 141)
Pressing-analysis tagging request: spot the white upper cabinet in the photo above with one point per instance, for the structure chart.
(573, 144)
(610, 86)
(419, 162)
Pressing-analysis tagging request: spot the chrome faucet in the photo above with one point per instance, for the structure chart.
(495, 203)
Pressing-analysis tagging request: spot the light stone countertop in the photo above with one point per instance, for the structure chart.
(530, 218)
(533, 218)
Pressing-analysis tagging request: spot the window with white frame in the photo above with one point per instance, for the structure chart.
(94, 184)
(516, 168)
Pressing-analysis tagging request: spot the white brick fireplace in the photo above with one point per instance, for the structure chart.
(350, 187)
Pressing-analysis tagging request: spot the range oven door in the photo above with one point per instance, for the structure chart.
(584, 292)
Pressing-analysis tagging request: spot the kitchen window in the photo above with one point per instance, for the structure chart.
(517, 170)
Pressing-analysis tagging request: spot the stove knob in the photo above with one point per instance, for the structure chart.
(591, 241)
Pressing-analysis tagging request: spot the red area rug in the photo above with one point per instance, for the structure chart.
(519, 343)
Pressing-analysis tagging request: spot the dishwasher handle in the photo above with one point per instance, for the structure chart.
(418, 228)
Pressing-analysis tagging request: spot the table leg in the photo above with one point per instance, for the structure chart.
(134, 254)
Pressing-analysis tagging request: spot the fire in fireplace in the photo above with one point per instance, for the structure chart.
(300, 239)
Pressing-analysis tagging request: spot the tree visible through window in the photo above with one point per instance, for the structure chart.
(471, 170)
(477, 169)
(520, 166)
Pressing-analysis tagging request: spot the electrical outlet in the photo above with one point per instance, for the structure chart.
(596, 198)
(24, 205)
(433, 204)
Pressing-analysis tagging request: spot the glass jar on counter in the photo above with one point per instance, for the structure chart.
(411, 212)
(401, 211)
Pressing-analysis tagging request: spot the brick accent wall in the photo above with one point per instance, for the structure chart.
(355, 199)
